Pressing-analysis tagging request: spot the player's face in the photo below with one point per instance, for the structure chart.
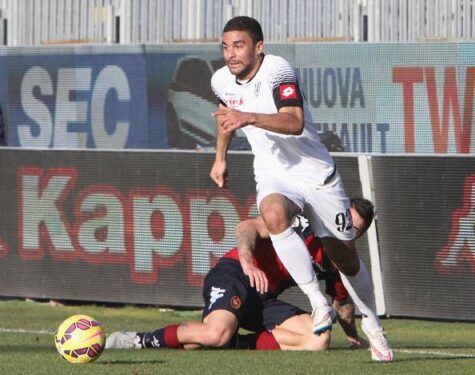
(241, 55)
(358, 223)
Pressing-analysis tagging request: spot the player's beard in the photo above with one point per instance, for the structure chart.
(247, 68)
(244, 72)
(238, 70)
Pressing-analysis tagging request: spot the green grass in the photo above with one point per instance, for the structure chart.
(34, 353)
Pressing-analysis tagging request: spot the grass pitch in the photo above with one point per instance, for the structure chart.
(27, 347)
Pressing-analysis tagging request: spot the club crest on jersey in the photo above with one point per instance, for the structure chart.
(288, 91)
(236, 302)
(257, 89)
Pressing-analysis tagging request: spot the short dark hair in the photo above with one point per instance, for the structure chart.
(365, 209)
(244, 23)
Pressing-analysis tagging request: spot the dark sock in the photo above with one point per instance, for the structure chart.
(255, 341)
(243, 341)
(165, 337)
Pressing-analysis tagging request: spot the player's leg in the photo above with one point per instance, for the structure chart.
(278, 203)
(360, 288)
(284, 327)
(357, 281)
(344, 308)
(216, 330)
(226, 298)
(296, 334)
(292, 327)
(346, 317)
(354, 275)
(299, 337)
(329, 214)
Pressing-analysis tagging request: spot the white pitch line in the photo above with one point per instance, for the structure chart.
(444, 354)
(19, 330)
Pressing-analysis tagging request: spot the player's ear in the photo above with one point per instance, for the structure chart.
(260, 46)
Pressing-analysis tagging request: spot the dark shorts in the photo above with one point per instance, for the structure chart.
(227, 288)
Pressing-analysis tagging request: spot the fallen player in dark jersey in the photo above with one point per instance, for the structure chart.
(241, 292)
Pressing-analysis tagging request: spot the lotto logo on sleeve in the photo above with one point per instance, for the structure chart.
(288, 91)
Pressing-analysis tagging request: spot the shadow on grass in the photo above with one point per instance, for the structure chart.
(129, 362)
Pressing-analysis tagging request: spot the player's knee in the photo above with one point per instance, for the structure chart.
(343, 254)
(349, 268)
(347, 265)
(275, 218)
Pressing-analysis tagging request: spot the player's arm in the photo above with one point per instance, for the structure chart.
(346, 317)
(288, 101)
(288, 120)
(219, 171)
(247, 233)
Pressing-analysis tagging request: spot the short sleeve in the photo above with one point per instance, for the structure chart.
(216, 90)
(285, 86)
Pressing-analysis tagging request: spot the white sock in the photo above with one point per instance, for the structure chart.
(294, 255)
(361, 291)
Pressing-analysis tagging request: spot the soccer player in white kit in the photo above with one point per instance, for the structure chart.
(293, 170)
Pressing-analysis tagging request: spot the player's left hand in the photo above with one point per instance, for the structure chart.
(358, 343)
(257, 278)
(231, 119)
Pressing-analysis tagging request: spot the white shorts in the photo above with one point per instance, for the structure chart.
(326, 206)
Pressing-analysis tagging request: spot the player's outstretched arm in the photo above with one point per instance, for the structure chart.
(247, 233)
(346, 318)
(219, 172)
(289, 120)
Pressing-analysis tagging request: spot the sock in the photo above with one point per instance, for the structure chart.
(361, 291)
(295, 257)
(243, 341)
(259, 341)
(165, 337)
(267, 341)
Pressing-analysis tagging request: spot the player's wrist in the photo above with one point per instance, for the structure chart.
(245, 263)
(251, 118)
(220, 158)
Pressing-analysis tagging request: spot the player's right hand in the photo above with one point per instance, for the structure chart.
(257, 278)
(219, 173)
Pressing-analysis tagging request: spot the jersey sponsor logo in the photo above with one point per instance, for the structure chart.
(236, 302)
(459, 252)
(234, 102)
(216, 293)
(288, 91)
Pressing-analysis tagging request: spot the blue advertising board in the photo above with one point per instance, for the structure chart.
(376, 98)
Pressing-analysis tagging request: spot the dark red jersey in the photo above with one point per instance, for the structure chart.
(266, 259)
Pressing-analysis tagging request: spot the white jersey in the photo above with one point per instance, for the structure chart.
(274, 86)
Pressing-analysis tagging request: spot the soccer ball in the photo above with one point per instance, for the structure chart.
(80, 339)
